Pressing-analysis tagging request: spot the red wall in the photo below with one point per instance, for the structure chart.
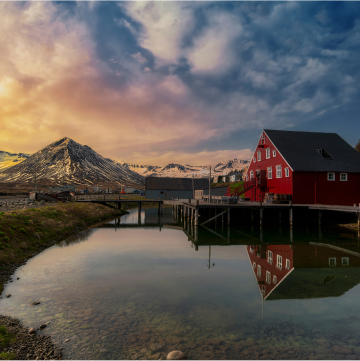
(314, 188)
(275, 185)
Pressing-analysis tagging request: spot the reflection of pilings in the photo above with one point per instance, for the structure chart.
(228, 216)
(320, 233)
(291, 217)
(320, 218)
(228, 235)
(261, 234)
(291, 234)
(261, 216)
(196, 217)
(358, 215)
(280, 217)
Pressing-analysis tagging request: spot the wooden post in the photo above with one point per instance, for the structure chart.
(261, 234)
(228, 235)
(222, 219)
(291, 217)
(320, 217)
(228, 216)
(291, 234)
(159, 212)
(261, 216)
(139, 207)
(196, 216)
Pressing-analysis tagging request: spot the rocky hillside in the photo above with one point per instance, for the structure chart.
(68, 161)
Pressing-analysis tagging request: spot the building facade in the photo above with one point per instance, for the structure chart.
(169, 188)
(314, 168)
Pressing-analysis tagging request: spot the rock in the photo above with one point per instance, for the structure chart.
(34, 303)
(155, 347)
(67, 340)
(234, 337)
(57, 353)
(18, 278)
(42, 326)
(104, 350)
(173, 339)
(32, 331)
(214, 341)
(176, 355)
(8, 295)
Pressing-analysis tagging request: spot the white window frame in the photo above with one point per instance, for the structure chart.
(346, 177)
(254, 159)
(254, 265)
(269, 170)
(287, 172)
(251, 250)
(287, 264)
(274, 279)
(330, 261)
(268, 277)
(251, 174)
(277, 170)
(274, 153)
(347, 261)
(278, 261)
(328, 176)
(267, 153)
(258, 272)
(270, 257)
(259, 155)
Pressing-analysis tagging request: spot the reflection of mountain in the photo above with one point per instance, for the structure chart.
(303, 271)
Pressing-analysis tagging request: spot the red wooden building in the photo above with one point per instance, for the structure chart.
(314, 168)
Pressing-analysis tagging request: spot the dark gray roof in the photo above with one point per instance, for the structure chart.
(183, 184)
(299, 150)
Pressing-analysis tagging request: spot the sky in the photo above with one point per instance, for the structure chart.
(180, 82)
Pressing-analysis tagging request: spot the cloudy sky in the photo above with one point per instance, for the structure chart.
(187, 82)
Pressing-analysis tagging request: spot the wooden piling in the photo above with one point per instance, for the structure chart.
(291, 217)
(261, 216)
(228, 216)
(196, 220)
(320, 217)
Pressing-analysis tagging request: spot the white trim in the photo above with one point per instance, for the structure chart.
(332, 258)
(266, 153)
(344, 180)
(266, 277)
(270, 172)
(276, 167)
(342, 261)
(278, 151)
(278, 284)
(287, 172)
(257, 155)
(331, 180)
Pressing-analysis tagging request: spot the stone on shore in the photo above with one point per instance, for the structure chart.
(176, 355)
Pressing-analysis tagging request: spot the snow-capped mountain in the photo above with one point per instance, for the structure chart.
(68, 161)
(7, 159)
(175, 170)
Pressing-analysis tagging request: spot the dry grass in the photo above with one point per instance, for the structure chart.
(22, 232)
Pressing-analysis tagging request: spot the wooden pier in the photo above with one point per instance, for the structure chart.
(201, 213)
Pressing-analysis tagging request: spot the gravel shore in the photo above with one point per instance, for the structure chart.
(29, 347)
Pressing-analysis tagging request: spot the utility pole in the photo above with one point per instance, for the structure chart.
(193, 187)
(210, 184)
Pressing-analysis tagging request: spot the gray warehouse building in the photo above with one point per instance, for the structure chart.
(167, 188)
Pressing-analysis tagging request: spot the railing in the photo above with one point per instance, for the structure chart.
(241, 189)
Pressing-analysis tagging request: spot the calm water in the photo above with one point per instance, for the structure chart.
(121, 291)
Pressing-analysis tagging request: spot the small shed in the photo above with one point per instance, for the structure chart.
(169, 188)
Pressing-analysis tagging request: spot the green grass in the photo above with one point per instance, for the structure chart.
(7, 355)
(5, 337)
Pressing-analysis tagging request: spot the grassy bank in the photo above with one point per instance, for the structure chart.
(23, 233)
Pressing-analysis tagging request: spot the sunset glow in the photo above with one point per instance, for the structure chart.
(186, 82)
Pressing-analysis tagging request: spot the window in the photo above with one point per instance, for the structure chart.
(263, 139)
(247, 178)
(267, 153)
(251, 174)
(251, 250)
(324, 153)
(287, 264)
(268, 277)
(254, 159)
(254, 265)
(259, 155)
(274, 279)
(343, 177)
(259, 271)
(345, 261)
(331, 176)
(286, 172)
(274, 153)
(278, 171)
(269, 172)
(332, 262)
(270, 257)
(279, 261)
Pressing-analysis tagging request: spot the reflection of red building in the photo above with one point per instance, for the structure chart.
(302, 271)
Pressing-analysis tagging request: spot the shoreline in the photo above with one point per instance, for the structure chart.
(15, 228)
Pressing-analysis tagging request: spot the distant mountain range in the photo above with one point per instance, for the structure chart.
(7, 159)
(175, 170)
(67, 161)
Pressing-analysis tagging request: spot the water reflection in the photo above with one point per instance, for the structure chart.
(138, 293)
